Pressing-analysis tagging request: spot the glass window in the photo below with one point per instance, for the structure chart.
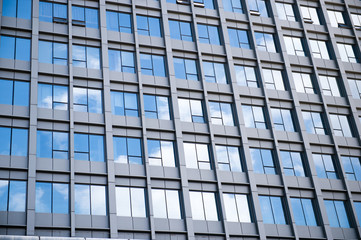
(294, 46)
(90, 199)
(89, 147)
(87, 100)
(228, 158)
(161, 153)
(262, 161)
(52, 197)
(292, 163)
(272, 210)
(180, 30)
(347, 53)
(152, 65)
(208, 34)
(149, 26)
(355, 87)
(357, 208)
(303, 82)
(329, 86)
(206, 3)
(285, 11)
(282, 119)
(197, 155)
(52, 144)
(336, 212)
(238, 38)
(340, 125)
(336, 18)
(221, 113)
(236, 207)
(156, 107)
(319, 49)
(356, 18)
(352, 168)
(14, 93)
(185, 69)
(273, 79)
(17, 8)
(53, 53)
(190, 110)
(215, 72)
(130, 202)
(313, 122)
(324, 166)
(86, 17)
(204, 206)
(246, 76)
(121, 61)
(127, 150)
(310, 15)
(119, 22)
(124, 103)
(258, 6)
(15, 48)
(52, 96)
(166, 204)
(254, 117)
(13, 141)
(53, 12)
(86, 57)
(12, 196)
(265, 42)
(233, 6)
(303, 212)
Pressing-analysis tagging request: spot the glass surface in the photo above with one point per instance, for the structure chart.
(230, 207)
(163, 108)
(45, 95)
(79, 56)
(190, 155)
(60, 53)
(120, 150)
(173, 205)
(44, 144)
(82, 199)
(19, 142)
(60, 11)
(154, 27)
(117, 99)
(138, 202)
(21, 93)
(91, 18)
(60, 198)
(123, 201)
(9, 8)
(17, 196)
(43, 197)
(7, 47)
(309, 212)
(4, 190)
(6, 92)
(81, 146)
(167, 149)
(159, 203)
(61, 143)
(158, 66)
(95, 104)
(197, 205)
(266, 209)
(96, 144)
(46, 52)
(356, 204)
(24, 9)
(45, 11)
(5, 135)
(112, 22)
(93, 57)
(22, 51)
(98, 200)
(125, 22)
(210, 206)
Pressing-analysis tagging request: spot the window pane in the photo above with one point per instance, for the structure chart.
(96, 148)
(159, 203)
(60, 198)
(21, 93)
(138, 202)
(6, 92)
(44, 144)
(19, 142)
(5, 135)
(45, 52)
(7, 47)
(17, 196)
(95, 101)
(4, 185)
(43, 197)
(173, 204)
(22, 49)
(82, 199)
(98, 200)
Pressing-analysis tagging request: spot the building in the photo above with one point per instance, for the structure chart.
(177, 119)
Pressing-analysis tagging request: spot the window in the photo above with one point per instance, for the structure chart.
(294, 46)
(204, 206)
(292, 163)
(273, 79)
(221, 113)
(356, 18)
(52, 96)
(313, 122)
(14, 93)
(161, 153)
(228, 158)
(87, 100)
(319, 49)
(238, 38)
(254, 117)
(310, 15)
(259, 7)
(149, 26)
(336, 18)
(53, 53)
(352, 168)
(86, 57)
(124, 103)
(336, 212)
(89, 147)
(324, 166)
(52, 144)
(272, 210)
(119, 22)
(17, 8)
(152, 65)
(355, 86)
(86, 17)
(180, 30)
(12, 196)
(246, 76)
(282, 119)
(329, 86)
(233, 6)
(190, 110)
(208, 34)
(197, 155)
(262, 160)
(53, 12)
(90, 199)
(185, 69)
(166, 204)
(13, 141)
(121, 61)
(156, 107)
(236, 207)
(265, 42)
(130, 202)
(127, 150)
(15, 48)
(341, 125)
(52, 197)
(303, 212)
(347, 53)
(303, 82)
(285, 11)
(215, 72)
(206, 3)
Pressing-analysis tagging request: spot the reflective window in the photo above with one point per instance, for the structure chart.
(324, 166)
(87, 100)
(206, 3)
(52, 96)
(119, 22)
(356, 18)
(215, 72)
(273, 79)
(204, 206)
(12, 196)
(303, 211)
(166, 204)
(190, 110)
(221, 113)
(336, 18)
(197, 155)
(228, 158)
(358, 209)
(180, 30)
(254, 117)
(258, 6)
(238, 38)
(17, 8)
(86, 57)
(14, 92)
(152, 65)
(319, 49)
(285, 11)
(352, 168)
(53, 52)
(208, 34)
(336, 212)
(233, 6)
(121, 61)
(185, 69)
(262, 161)
(156, 107)
(282, 119)
(85, 17)
(89, 147)
(161, 153)
(313, 122)
(246, 76)
(13, 141)
(53, 12)
(292, 163)
(355, 87)
(15, 48)
(127, 150)
(294, 46)
(310, 15)
(130, 202)
(265, 42)
(340, 125)
(149, 26)
(90, 199)
(303, 82)
(329, 86)
(236, 207)
(52, 197)
(347, 53)
(124, 103)
(272, 210)
(52, 144)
